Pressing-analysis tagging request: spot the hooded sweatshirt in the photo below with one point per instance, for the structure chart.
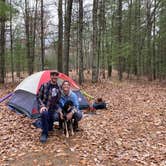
(71, 96)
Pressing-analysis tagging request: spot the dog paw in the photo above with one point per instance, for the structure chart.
(67, 135)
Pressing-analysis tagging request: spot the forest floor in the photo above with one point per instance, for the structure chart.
(131, 132)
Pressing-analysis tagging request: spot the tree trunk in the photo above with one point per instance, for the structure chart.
(42, 37)
(34, 21)
(27, 31)
(120, 58)
(109, 55)
(11, 43)
(154, 42)
(60, 37)
(77, 52)
(149, 28)
(81, 70)
(110, 49)
(129, 60)
(94, 54)
(135, 39)
(67, 36)
(139, 65)
(2, 48)
(99, 36)
(162, 41)
(103, 20)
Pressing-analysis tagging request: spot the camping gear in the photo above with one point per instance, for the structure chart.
(5, 97)
(24, 98)
(99, 104)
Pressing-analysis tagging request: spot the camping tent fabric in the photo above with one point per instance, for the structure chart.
(24, 98)
(34, 81)
(24, 102)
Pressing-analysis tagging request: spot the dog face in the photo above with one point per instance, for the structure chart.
(69, 104)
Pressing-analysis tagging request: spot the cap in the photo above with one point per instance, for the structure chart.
(53, 72)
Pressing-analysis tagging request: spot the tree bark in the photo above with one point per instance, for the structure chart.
(120, 58)
(27, 31)
(154, 42)
(103, 20)
(2, 48)
(94, 43)
(42, 37)
(81, 70)
(67, 36)
(34, 21)
(11, 42)
(60, 37)
(149, 28)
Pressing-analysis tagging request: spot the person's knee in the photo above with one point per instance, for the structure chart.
(78, 116)
(44, 114)
(56, 116)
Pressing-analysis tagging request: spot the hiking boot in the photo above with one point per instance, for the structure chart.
(51, 129)
(43, 138)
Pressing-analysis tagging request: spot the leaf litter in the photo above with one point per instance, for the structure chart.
(132, 131)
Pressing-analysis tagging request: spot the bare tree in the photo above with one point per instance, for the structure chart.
(119, 36)
(67, 36)
(60, 37)
(2, 47)
(33, 34)
(42, 36)
(27, 27)
(81, 70)
(11, 42)
(94, 55)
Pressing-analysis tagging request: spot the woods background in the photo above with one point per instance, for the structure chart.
(97, 36)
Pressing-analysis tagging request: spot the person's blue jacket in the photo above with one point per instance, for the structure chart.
(71, 96)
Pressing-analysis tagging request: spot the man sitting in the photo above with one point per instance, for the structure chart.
(68, 95)
(48, 98)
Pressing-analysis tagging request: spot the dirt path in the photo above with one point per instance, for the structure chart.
(131, 132)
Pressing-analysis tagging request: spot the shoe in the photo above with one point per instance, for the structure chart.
(51, 129)
(43, 138)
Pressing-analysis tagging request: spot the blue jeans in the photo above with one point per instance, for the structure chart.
(77, 116)
(47, 120)
(49, 117)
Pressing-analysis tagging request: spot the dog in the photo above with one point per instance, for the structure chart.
(67, 125)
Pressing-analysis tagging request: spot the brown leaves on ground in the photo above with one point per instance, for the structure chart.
(132, 131)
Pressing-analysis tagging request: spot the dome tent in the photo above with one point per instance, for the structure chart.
(24, 98)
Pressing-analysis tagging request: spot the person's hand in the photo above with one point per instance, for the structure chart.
(60, 113)
(42, 109)
(69, 116)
